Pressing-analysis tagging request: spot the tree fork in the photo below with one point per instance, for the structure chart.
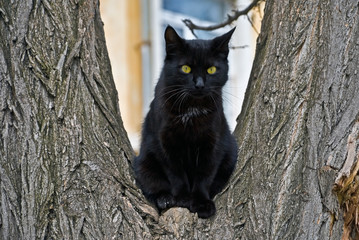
(65, 156)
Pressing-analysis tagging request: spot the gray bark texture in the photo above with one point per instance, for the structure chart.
(65, 159)
(64, 153)
(298, 131)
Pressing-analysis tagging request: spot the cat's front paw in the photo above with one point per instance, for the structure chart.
(165, 201)
(183, 201)
(204, 208)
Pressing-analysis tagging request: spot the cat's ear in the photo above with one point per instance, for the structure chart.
(173, 41)
(220, 44)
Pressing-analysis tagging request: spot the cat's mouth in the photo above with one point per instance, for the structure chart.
(199, 93)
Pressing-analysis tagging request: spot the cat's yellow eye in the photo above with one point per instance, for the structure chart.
(211, 70)
(186, 69)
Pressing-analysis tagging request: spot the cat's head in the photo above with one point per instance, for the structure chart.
(198, 67)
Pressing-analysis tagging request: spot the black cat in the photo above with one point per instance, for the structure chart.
(187, 152)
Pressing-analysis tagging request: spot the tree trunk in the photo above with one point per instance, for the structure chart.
(65, 157)
(299, 128)
(64, 153)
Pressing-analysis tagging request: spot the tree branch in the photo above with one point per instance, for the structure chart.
(230, 19)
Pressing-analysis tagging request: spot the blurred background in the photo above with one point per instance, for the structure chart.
(134, 32)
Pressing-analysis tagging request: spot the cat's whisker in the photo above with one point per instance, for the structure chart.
(180, 100)
(230, 103)
(174, 93)
(227, 99)
(215, 102)
(164, 93)
(183, 97)
(165, 89)
(231, 94)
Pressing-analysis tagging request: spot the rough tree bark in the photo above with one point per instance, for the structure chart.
(64, 168)
(65, 157)
(299, 127)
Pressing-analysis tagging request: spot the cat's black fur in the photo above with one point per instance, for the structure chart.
(187, 152)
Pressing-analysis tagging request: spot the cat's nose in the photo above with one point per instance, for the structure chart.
(199, 83)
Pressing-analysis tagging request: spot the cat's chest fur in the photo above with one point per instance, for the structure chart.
(191, 127)
(193, 115)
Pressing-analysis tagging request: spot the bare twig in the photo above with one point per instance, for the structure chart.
(239, 47)
(230, 19)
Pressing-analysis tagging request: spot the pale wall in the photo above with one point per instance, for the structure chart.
(123, 36)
